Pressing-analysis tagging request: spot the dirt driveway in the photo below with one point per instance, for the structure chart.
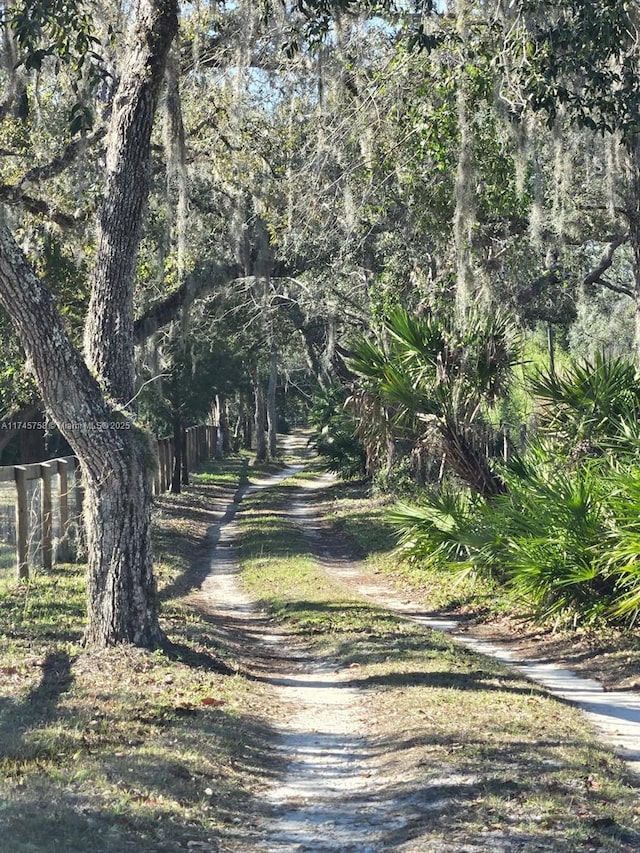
(403, 767)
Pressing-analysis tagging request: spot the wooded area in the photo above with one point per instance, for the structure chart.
(414, 225)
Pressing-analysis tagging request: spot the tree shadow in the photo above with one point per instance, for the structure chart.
(477, 796)
(20, 717)
(57, 678)
(196, 658)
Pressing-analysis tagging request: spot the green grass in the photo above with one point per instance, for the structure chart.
(451, 724)
(361, 520)
(133, 750)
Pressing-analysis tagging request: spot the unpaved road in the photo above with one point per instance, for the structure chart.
(340, 792)
(339, 795)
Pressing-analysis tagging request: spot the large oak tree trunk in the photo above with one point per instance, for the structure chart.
(117, 513)
(114, 456)
(109, 331)
(91, 406)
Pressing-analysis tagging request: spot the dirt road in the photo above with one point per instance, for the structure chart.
(339, 790)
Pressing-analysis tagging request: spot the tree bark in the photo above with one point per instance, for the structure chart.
(260, 420)
(186, 462)
(223, 421)
(272, 415)
(114, 456)
(176, 476)
(109, 331)
(88, 401)
(633, 215)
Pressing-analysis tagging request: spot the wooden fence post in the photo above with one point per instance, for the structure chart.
(22, 521)
(62, 554)
(79, 500)
(46, 471)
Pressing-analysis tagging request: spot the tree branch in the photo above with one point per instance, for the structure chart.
(12, 194)
(15, 193)
(70, 393)
(167, 309)
(595, 275)
(616, 288)
(60, 163)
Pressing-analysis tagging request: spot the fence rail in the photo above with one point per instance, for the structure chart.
(41, 503)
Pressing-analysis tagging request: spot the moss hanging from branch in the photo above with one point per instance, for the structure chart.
(464, 218)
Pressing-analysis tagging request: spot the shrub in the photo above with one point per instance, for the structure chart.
(333, 436)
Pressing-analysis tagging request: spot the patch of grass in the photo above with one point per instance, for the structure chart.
(478, 751)
(127, 749)
(609, 655)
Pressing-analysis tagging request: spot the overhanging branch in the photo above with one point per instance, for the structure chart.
(59, 164)
(616, 288)
(10, 194)
(167, 309)
(595, 276)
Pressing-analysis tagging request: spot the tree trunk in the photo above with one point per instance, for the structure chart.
(247, 431)
(186, 462)
(260, 421)
(272, 415)
(109, 330)
(117, 513)
(176, 476)
(115, 455)
(633, 214)
(223, 419)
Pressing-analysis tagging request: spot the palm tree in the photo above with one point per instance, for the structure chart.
(436, 378)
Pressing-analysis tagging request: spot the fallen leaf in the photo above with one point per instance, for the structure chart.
(209, 700)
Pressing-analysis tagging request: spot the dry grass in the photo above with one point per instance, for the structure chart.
(128, 749)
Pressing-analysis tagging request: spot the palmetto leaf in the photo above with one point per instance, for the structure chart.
(596, 400)
(429, 369)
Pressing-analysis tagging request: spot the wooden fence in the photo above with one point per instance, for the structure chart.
(200, 444)
(41, 503)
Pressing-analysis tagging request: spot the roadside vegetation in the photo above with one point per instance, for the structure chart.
(546, 517)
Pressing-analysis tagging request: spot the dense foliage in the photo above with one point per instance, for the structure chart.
(564, 535)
